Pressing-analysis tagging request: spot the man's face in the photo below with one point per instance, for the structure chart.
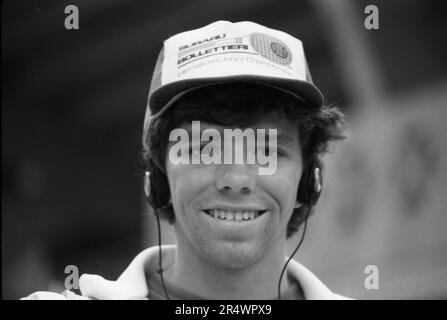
(228, 213)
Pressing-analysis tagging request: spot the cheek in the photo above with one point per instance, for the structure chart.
(283, 185)
(186, 182)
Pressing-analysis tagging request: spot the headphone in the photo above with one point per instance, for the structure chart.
(156, 187)
(157, 194)
(157, 190)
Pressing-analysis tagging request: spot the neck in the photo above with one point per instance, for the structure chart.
(203, 278)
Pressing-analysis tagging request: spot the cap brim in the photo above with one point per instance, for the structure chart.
(162, 98)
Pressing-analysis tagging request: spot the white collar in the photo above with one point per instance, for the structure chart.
(132, 283)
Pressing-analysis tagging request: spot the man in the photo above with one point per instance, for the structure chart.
(232, 143)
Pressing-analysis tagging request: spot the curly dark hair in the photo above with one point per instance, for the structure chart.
(244, 104)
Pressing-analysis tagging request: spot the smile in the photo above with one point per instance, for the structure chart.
(233, 215)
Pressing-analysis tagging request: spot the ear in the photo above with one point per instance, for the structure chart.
(147, 184)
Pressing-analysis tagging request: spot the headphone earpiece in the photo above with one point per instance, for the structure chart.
(156, 187)
(318, 184)
(147, 187)
(310, 185)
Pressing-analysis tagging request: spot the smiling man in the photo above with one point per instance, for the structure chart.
(232, 223)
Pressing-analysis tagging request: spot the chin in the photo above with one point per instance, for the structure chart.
(233, 255)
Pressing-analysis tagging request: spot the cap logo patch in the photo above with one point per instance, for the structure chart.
(271, 48)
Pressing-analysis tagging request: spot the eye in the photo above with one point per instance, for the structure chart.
(280, 152)
(213, 151)
(195, 150)
(269, 151)
(210, 151)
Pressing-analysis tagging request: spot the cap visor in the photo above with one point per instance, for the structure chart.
(162, 98)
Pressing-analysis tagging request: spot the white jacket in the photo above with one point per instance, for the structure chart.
(132, 283)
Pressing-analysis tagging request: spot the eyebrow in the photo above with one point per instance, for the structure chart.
(189, 129)
(284, 139)
(281, 138)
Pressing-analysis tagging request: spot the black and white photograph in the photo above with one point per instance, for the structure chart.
(224, 150)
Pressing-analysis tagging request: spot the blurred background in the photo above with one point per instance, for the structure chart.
(73, 103)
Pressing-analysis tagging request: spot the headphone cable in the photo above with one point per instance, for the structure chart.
(294, 252)
(160, 257)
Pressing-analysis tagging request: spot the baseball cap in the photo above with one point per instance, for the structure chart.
(223, 52)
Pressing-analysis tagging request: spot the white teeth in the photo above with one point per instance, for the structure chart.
(233, 215)
(221, 214)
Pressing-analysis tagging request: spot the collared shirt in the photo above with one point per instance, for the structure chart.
(138, 282)
(156, 291)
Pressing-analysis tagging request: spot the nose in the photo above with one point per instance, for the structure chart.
(237, 178)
